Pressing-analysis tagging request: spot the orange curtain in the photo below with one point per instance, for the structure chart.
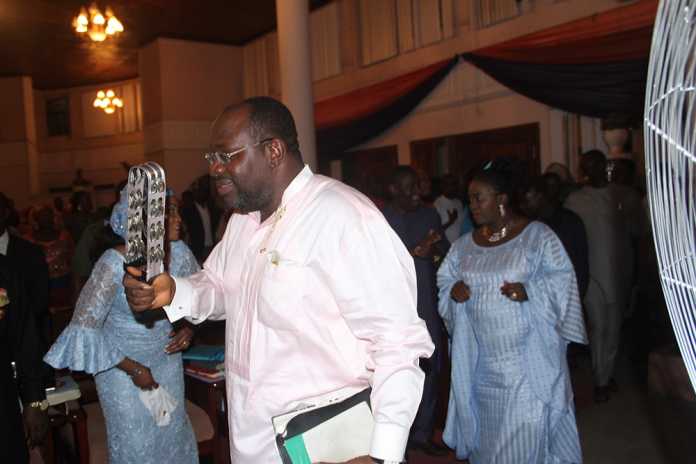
(619, 34)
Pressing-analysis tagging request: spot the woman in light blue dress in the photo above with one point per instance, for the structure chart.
(509, 300)
(125, 356)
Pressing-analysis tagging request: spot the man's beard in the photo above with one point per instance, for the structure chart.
(246, 202)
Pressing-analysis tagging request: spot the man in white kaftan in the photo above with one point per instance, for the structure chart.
(610, 259)
(318, 292)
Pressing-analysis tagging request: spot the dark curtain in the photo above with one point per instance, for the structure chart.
(594, 66)
(597, 89)
(333, 141)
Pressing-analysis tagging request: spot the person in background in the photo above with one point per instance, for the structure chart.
(510, 302)
(80, 215)
(622, 178)
(568, 184)
(59, 205)
(58, 249)
(201, 217)
(450, 208)
(79, 183)
(23, 277)
(13, 217)
(609, 252)
(95, 238)
(125, 356)
(420, 230)
(222, 225)
(425, 187)
(318, 291)
(83, 259)
(542, 202)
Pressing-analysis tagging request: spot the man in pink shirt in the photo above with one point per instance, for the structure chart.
(318, 292)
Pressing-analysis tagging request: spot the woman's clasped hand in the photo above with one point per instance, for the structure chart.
(513, 290)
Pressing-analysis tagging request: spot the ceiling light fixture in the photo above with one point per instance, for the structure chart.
(108, 101)
(96, 25)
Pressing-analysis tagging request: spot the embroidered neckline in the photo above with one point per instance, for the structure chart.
(277, 216)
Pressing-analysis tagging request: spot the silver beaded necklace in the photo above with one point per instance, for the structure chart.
(498, 236)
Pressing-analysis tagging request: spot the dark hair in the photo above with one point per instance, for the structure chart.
(400, 172)
(105, 238)
(270, 118)
(5, 202)
(506, 175)
(623, 171)
(593, 164)
(594, 157)
(548, 185)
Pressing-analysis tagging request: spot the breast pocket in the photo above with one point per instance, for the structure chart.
(283, 289)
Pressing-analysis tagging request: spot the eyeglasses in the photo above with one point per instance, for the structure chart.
(222, 157)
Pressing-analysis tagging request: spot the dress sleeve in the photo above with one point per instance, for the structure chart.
(553, 290)
(83, 345)
(447, 275)
(184, 263)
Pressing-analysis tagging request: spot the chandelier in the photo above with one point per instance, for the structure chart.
(96, 25)
(108, 101)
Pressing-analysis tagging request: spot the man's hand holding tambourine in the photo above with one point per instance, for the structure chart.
(144, 296)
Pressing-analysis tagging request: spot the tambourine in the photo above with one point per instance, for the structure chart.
(145, 232)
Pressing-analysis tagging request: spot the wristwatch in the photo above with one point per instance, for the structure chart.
(42, 405)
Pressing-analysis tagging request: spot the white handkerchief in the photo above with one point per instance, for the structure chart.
(160, 404)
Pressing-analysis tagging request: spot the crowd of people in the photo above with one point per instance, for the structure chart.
(322, 292)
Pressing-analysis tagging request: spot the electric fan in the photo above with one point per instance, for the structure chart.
(670, 133)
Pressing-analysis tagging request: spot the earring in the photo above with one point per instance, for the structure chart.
(501, 208)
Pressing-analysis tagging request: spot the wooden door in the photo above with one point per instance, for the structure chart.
(369, 170)
(461, 154)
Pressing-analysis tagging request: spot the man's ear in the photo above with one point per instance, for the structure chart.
(393, 191)
(276, 151)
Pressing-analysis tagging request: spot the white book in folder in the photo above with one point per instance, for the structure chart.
(332, 428)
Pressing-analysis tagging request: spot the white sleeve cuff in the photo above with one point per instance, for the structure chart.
(180, 306)
(389, 442)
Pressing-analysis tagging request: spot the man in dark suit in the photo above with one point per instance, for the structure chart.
(542, 202)
(420, 229)
(21, 344)
(201, 215)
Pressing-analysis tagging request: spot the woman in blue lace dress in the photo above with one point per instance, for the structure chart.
(124, 355)
(509, 300)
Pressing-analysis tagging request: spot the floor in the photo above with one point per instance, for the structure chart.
(634, 427)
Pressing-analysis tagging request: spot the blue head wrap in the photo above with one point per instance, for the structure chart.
(119, 215)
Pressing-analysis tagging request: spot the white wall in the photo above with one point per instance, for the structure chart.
(98, 142)
(467, 100)
(405, 35)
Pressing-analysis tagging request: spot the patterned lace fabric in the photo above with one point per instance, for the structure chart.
(101, 334)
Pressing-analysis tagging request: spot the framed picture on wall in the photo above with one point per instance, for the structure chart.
(58, 116)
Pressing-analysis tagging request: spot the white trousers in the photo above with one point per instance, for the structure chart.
(604, 327)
